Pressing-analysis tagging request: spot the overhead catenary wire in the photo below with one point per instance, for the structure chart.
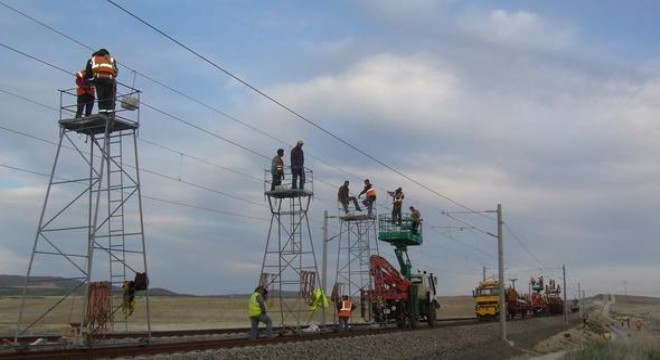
(515, 237)
(289, 109)
(146, 196)
(194, 126)
(246, 84)
(172, 178)
(160, 83)
(180, 93)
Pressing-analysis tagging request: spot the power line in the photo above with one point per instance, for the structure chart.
(515, 237)
(287, 108)
(146, 171)
(163, 147)
(226, 115)
(163, 85)
(36, 59)
(160, 83)
(29, 100)
(205, 131)
(460, 242)
(147, 196)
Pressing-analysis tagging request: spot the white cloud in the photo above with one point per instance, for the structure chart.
(383, 88)
(519, 29)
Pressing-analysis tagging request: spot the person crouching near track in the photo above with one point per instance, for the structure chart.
(344, 309)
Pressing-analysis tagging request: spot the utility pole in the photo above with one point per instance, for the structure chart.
(563, 268)
(500, 260)
(580, 300)
(324, 261)
(484, 274)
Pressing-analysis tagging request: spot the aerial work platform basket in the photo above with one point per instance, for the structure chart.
(399, 233)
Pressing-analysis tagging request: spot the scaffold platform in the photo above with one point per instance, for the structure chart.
(96, 124)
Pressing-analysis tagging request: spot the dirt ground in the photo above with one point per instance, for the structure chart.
(610, 318)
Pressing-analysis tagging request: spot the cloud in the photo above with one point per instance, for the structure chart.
(382, 88)
(519, 29)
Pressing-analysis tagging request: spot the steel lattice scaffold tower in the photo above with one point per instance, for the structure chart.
(289, 270)
(357, 242)
(90, 237)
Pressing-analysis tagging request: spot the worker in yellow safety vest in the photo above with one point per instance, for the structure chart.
(257, 312)
(344, 309)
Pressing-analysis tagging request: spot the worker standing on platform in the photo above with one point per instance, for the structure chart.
(344, 197)
(370, 198)
(397, 203)
(298, 166)
(257, 312)
(415, 219)
(344, 309)
(85, 94)
(102, 70)
(277, 169)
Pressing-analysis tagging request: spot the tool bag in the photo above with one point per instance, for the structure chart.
(141, 281)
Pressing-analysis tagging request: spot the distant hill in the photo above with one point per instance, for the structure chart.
(12, 285)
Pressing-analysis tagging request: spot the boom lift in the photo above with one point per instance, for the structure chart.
(402, 297)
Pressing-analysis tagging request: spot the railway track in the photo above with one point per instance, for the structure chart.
(164, 342)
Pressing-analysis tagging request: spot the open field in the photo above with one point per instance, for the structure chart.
(176, 312)
(604, 333)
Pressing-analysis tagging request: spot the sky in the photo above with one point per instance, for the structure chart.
(547, 108)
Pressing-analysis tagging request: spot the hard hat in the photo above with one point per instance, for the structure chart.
(300, 142)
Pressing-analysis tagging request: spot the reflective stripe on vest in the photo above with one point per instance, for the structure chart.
(371, 193)
(82, 89)
(253, 305)
(102, 65)
(345, 310)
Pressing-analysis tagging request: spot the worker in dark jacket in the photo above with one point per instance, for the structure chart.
(415, 219)
(397, 203)
(298, 166)
(102, 70)
(344, 198)
(84, 94)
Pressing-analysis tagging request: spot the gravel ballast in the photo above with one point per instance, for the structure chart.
(456, 342)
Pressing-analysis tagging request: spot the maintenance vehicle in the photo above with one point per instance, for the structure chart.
(402, 297)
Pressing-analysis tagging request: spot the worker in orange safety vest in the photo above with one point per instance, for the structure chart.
(344, 309)
(370, 199)
(85, 94)
(102, 70)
